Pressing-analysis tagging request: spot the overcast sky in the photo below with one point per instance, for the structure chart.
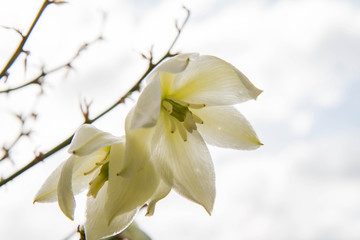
(302, 184)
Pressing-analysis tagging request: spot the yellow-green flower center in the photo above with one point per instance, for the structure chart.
(99, 180)
(97, 183)
(175, 109)
(180, 116)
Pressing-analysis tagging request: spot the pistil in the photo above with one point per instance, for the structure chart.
(180, 116)
(99, 180)
(97, 183)
(98, 164)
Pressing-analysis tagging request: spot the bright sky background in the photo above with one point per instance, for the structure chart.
(302, 184)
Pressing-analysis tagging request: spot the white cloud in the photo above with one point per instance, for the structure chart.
(280, 47)
(301, 123)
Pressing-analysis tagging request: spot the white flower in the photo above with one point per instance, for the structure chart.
(187, 102)
(112, 200)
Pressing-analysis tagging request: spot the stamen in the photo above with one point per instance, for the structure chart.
(189, 123)
(102, 162)
(181, 131)
(196, 106)
(98, 164)
(172, 124)
(168, 107)
(92, 181)
(180, 116)
(91, 170)
(197, 119)
(97, 183)
(182, 103)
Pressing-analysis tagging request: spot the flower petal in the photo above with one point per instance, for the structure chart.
(176, 64)
(224, 126)
(88, 138)
(212, 81)
(127, 194)
(134, 232)
(162, 191)
(136, 148)
(64, 189)
(147, 108)
(48, 191)
(253, 91)
(186, 166)
(96, 223)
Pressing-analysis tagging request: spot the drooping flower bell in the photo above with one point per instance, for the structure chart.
(187, 103)
(112, 200)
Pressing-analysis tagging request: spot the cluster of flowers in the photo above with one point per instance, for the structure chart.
(186, 103)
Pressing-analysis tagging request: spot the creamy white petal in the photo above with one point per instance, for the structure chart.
(176, 64)
(225, 126)
(88, 138)
(212, 81)
(252, 91)
(136, 152)
(82, 135)
(162, 191)
(186, 166)
(147, 108)
(133, 232)
(136, 148)
(48, 191)
(127, 194)
(96, 223)
(64, 189)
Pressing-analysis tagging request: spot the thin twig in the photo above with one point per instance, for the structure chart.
(20, 48)
(40, 77)
(136, 87)
(6, 150)
(85, 110)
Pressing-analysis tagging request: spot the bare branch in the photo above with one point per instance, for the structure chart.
(39, 79)
(181, 27)
(20, 48)
(59, 2)
(14, 29)
(136, 87)
(85, 110)
(23, 133)
(6, 154)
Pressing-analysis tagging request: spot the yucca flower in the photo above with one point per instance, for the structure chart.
(188, 102)
(112, 200)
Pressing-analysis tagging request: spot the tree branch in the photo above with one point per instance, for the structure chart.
(20, 48)
(136, 87)
(23, 132)
(39, 78)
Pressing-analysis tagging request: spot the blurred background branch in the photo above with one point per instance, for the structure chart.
(20, 49)
(39, 79)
